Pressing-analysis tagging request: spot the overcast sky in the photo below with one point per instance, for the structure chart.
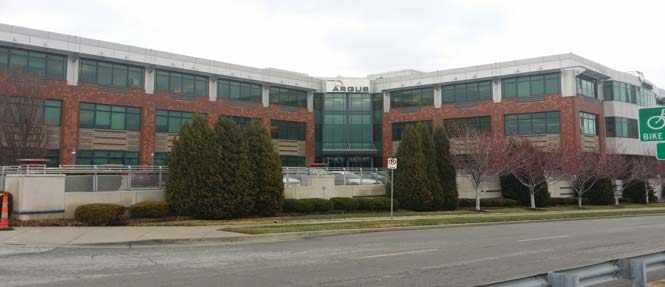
(356, 38)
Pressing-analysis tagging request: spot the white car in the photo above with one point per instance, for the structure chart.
(350, 178)
(290, 181)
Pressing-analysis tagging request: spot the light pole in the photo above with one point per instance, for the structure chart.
(152, 159)
(73, 157)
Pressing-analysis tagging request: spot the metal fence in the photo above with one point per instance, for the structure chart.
(92, 178)
(300, 176)
(633, 269)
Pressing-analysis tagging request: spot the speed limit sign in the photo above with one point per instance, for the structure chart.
(392, 163)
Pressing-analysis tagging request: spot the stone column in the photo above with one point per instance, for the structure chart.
(265, 96)
(149, 80)
(496, 90)
(386, 102)
(212, 89)
(310, 101)
(73, 69)
(437, 97)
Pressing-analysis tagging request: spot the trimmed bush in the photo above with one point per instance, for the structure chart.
(298, 206)
(412, 186)
(512, 188)
(344, 203)
(566, 201)
(149, 209)
(364, 203)
(447, 173)
(467, 202)
(99, 214)
(320, 204)
(496, 202)
(635, 191)
(10, 202)
(602, 193)
(267, 170)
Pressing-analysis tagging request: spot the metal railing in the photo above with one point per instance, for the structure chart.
(633, 269)
(300, 176)
(92, 178)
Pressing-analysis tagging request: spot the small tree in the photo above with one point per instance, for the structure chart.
(618, 167)
(412, 188)
(267, 170)
(23, 132)
(533, 167)
(481, 156)
(446, 168)
(432, 168)
(644, 168)
(584, 169)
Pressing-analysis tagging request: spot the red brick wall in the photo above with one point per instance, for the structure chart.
(72, 96)
(569, 108)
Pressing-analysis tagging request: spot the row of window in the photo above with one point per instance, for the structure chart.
(531, 86)
(43, 65)
(586, 87)
(288, 97)
(100, 157)
(98, 116)
(171, 121)
(111, 74)
(235, 90)
(412, 98)
(621, 127)
(287, 130)
(627, 93)
(181, 84)
(469, 92)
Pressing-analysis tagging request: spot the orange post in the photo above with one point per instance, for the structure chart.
(4, 217)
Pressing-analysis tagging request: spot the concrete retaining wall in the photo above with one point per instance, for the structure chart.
(125, 198)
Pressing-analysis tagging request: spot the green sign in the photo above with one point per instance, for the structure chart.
(660, 151)
(652, 124)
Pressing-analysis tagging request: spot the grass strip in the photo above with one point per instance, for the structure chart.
(270, 229)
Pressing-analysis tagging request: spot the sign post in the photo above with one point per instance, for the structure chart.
(392, 166)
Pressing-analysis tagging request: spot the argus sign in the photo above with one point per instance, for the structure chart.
(347, 86)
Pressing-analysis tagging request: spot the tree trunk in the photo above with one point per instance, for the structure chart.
(532, 193)
(646, 191)
(477, 198)
(579, 200)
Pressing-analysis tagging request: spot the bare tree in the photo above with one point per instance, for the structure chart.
(618, 167)
(644, 168)
(583, 169)
(23, 133)
(478, 157)
(533, 167)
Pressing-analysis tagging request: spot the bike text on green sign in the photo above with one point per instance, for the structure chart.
(652, 124)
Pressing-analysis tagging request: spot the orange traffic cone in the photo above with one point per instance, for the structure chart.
(4, 216)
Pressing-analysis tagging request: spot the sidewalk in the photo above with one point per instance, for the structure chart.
(112, 234)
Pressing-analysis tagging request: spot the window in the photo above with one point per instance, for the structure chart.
(241, 121)
(286, 130)
(399, 128)
(181, 84)
(161, 158)
(227, 89)
(288, 97)
(627, 93)
(531, 86)
(586, 87)
(289, 160)
(588, 124)
(412, 98)
(621, 127)
(453, 126)
(111, 74)
(97, 116)
(43, 65)
(52, 112)
(171, 121)
(469, 92)
(99, 157)
(53, 156)
(533, 123)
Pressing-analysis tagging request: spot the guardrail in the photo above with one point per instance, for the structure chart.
(298, 176)
(634, 269)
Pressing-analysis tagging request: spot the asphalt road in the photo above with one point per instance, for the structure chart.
(459, 256)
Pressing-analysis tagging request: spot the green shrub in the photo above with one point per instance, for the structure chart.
(345, 203)
(149, 209)
(299, 205)
(364, 203)
(601, 193)
(267, 170)
(635, 191)
(378, 204)
(412, 186)
(99, 214)
(512, 188)
(496, 202)
(467, 202)
(10, 202)
(320, 204)
(566, 201)
(447, 173)
(288, 205)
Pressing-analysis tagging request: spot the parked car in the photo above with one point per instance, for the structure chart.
(377, 176)
(290, 181)
(350, 178)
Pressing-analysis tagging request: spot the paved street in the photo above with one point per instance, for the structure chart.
(459, 256)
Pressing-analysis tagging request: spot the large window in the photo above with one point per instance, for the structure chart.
(288, 97)
(399, 128)
(99, 157)
(454, 126)
(111, 74)
(286, 130)
(39, 64)
(621, 127)
(412, 98)
(52, 112)
(627, 93)
(588, 124)
(292, 161)
(171, 121)
(99, 116)
(531, 86)
(161, 158)
(181, 84)
(586, 87)
(469, 92)
(533, 123)
(241, 121)
(53, 156)
(235, 90)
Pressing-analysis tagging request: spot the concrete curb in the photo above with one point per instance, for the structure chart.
(326, 233)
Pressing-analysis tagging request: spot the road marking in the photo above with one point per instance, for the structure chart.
(542, 238)
(396, 254)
